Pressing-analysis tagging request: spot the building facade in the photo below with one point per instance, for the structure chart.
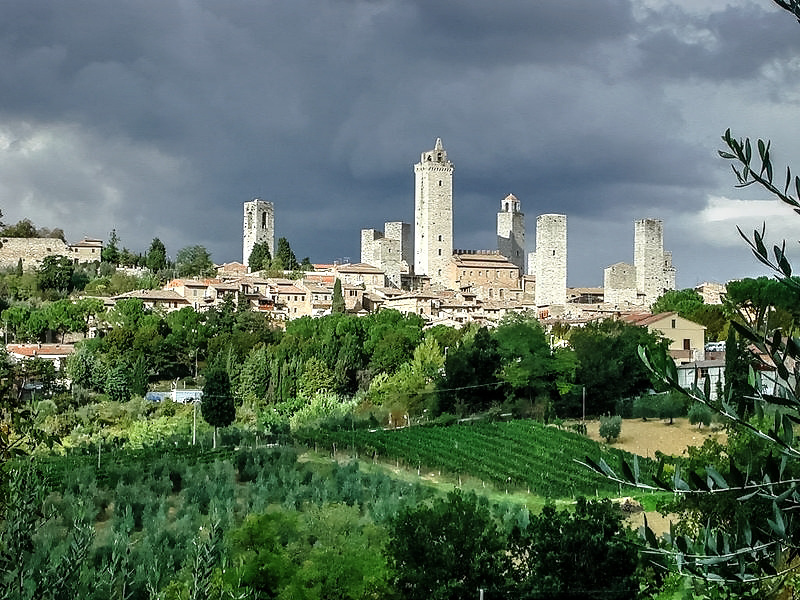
(433, 215)
(259, 227)
(511, 231)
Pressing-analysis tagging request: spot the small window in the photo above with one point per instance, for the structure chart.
(440, 251)
(440, 183)
(687, 344)
(440, 238)
(674, 323)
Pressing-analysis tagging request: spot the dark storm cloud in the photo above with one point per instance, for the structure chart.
(731, 44)
(160, 117)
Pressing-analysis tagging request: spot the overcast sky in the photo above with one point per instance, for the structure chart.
(161, 117)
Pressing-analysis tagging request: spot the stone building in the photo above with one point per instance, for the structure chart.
(550, 260)
(389, 250)
(88, 250)
(511, 231)
(259, 227)
(654, 271)
(433, 215)
(487, 274)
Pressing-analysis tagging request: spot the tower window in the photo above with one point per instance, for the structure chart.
(440, 238)
(440, 251)
(263, 220)
(440, 183)
(554, 252)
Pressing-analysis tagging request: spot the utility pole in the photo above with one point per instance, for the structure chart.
(194, 422)
(584, 403)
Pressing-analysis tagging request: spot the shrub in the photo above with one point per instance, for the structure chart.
(700, 414)
(610, 427)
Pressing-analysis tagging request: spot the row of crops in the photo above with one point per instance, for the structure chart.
(522, 454)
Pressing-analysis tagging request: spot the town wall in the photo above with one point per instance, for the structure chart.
(31, 250)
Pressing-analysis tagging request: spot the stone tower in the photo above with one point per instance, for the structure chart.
(654, 271)
(551, 260)
(389, 250)
(511, 231)
(259, 227)
(433, 215)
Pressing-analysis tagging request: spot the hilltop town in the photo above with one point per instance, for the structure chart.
(411, 269)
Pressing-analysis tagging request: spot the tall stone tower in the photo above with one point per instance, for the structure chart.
(259, 227)
(433, 214)
(511, 231)
(551, 260)
(654, 271)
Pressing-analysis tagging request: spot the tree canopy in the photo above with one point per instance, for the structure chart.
(192, 261)
(157, 255)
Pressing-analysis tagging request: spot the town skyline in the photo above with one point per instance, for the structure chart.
(160, 120)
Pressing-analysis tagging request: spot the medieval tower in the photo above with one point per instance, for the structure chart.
(259, 227)
(389, 250)
(550, 260)
(654, 271)
(433, 215)
(511, 231)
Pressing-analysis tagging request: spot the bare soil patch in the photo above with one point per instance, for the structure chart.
(646, 437)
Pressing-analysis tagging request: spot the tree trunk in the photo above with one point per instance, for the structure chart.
(214, 437)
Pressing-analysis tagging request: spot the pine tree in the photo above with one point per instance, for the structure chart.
(260, 257)
(157, 256)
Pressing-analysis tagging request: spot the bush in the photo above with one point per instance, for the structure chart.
(700, 414)
(610, 427)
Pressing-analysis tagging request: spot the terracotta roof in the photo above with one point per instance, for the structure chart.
(359, 268)
(645, 318)
(40, 349)
(164, 295)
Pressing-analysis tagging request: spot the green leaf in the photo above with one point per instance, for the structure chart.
(777, 524)
(715, 477)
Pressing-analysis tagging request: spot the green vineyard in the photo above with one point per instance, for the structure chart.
(521, 454)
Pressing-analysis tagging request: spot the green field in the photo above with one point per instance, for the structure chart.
(521, 454)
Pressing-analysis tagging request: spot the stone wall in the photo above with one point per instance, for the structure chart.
(31, 250)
